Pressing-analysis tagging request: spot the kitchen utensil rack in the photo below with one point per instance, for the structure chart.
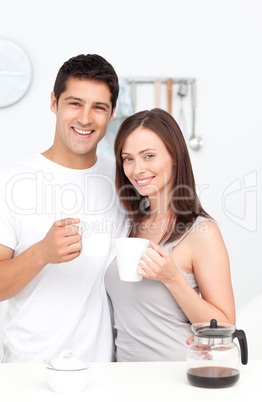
(150, 80)
(195, 142)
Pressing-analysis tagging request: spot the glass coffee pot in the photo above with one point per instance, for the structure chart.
(213, 359)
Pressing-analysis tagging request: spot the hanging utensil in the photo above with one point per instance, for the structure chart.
(182, 93)
(157, 92)
(169, 83)
(195, 142)
(133, 96)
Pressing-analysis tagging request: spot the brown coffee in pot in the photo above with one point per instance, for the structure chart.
(212, 377)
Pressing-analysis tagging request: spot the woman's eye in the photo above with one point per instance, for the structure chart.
(148, 156)
(126, 159)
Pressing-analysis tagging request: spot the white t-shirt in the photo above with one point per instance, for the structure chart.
(65, 306)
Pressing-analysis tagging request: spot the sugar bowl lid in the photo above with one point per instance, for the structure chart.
(66, 361)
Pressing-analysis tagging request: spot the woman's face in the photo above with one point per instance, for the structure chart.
(147, 163)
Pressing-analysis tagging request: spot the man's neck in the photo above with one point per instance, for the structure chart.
(71, 161)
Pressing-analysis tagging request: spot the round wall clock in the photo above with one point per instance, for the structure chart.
(15, 73)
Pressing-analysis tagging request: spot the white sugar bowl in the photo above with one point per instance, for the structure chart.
(66, 374)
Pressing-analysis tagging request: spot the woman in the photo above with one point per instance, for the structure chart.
(186, 271)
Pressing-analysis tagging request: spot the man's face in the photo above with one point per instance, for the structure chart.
(82, 115)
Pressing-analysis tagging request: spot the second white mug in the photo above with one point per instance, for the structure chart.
(129, 252)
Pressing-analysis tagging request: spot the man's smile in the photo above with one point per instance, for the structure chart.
(82, 132)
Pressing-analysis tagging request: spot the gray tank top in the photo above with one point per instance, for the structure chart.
(149, 323)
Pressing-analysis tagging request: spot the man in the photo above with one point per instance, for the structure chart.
(56, 295)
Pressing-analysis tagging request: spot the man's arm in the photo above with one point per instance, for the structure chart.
(61, 244)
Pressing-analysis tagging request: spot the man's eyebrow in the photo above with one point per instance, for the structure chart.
(75, 98)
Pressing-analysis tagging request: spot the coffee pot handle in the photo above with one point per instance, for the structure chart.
(241, 336)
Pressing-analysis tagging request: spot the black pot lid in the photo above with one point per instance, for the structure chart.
(213, 329)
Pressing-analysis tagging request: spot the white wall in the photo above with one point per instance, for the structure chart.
(218, 43)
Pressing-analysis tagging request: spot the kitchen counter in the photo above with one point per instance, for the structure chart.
(126, 382)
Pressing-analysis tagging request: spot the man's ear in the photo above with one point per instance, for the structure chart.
(112, 115)
(53, 105)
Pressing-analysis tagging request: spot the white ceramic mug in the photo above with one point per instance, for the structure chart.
(96, 235)
(129, 252)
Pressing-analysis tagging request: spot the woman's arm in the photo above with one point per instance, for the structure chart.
(210, 263)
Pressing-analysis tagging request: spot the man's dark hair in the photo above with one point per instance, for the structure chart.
(92, 67)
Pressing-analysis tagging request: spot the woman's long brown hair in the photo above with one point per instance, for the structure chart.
(185, 205)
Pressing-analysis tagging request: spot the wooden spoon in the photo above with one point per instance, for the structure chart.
(169, 83)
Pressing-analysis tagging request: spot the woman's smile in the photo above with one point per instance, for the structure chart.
(144, 181)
